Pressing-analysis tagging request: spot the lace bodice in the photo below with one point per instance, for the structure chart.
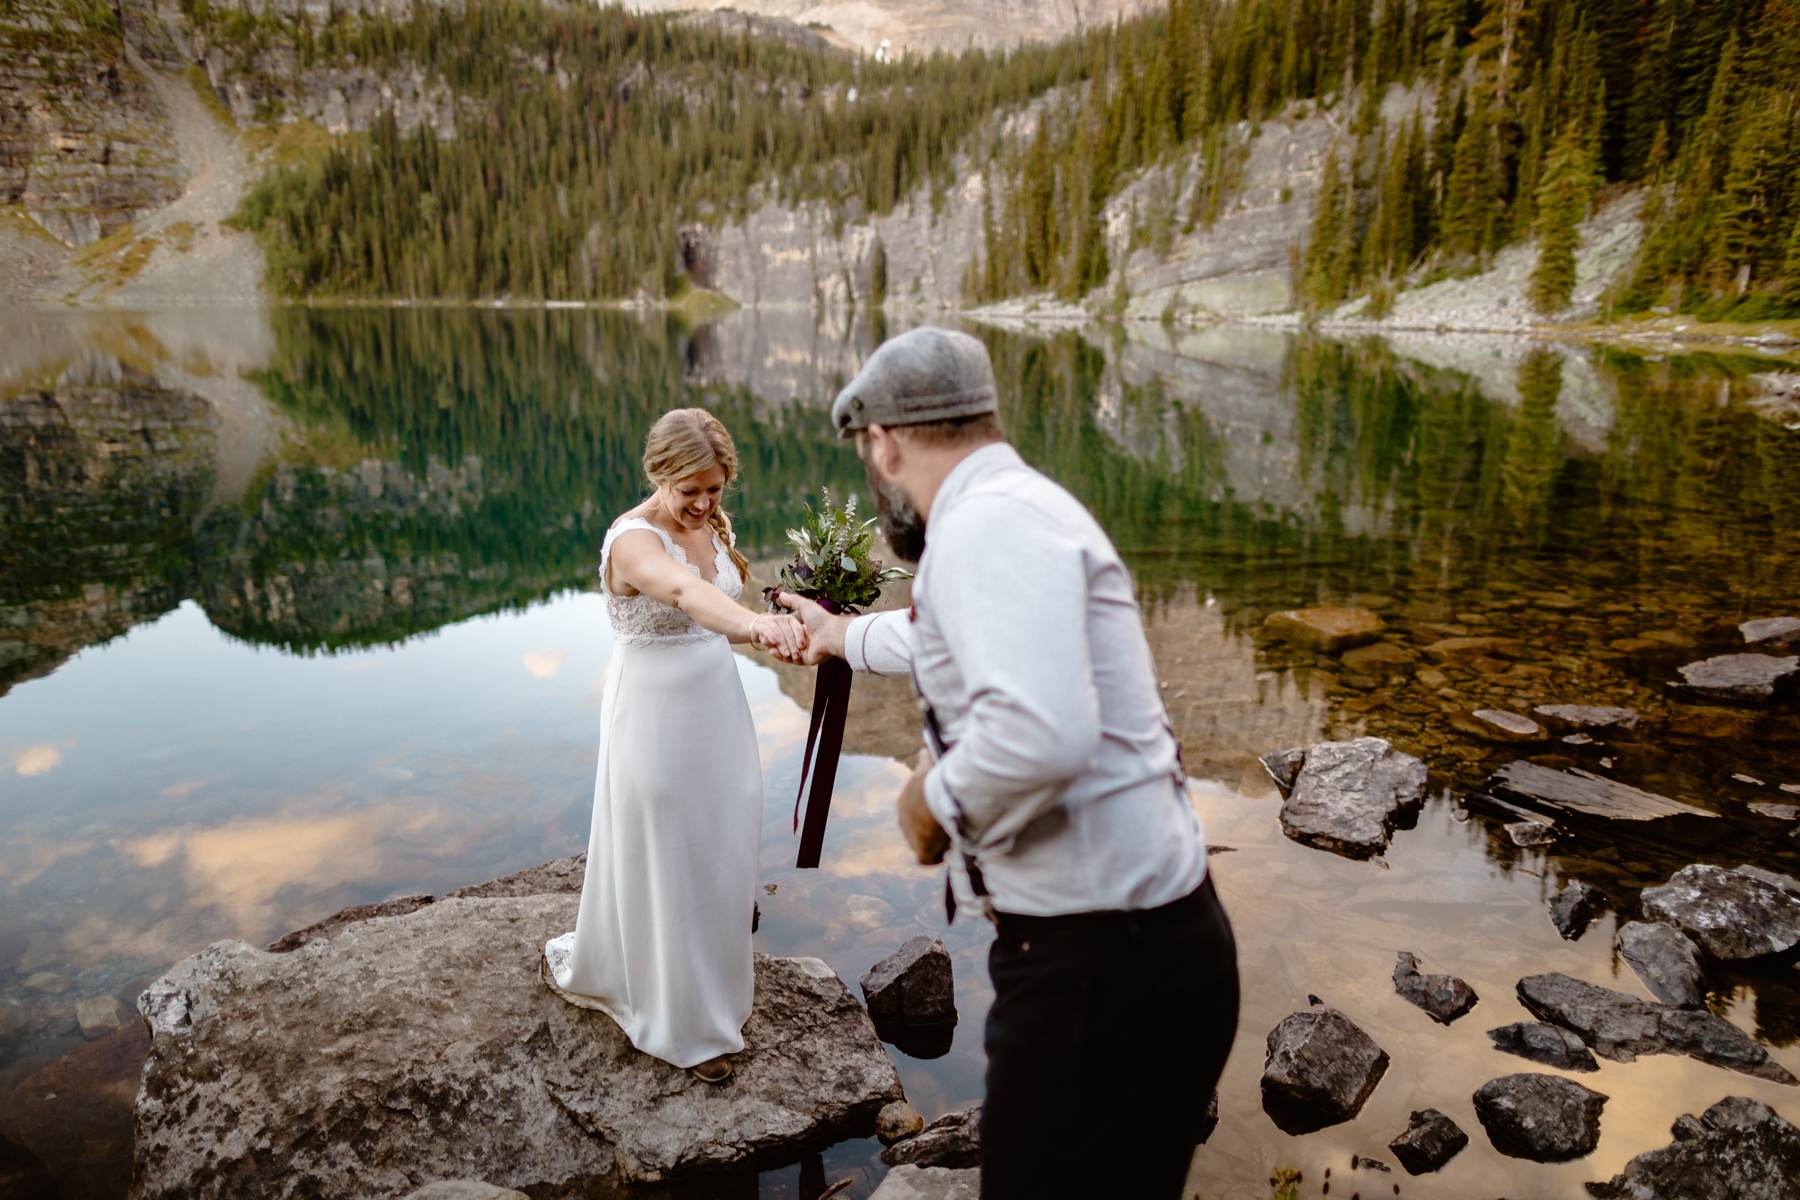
(640, 619)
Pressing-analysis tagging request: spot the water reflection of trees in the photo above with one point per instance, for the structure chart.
(456, 461)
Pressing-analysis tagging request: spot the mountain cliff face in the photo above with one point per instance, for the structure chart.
(84, 145)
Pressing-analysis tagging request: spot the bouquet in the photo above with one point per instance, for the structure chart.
(834, 561)
(834, 565)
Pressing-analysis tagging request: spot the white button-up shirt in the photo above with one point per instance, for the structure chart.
(1061, 774)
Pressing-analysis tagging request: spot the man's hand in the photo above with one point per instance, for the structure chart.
(917, 823)
(824, 631)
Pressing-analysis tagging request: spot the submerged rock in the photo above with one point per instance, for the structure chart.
(1347, 797)
(1739, 1149)
(1733, 915)
(1667, 962)
(1327, 628)
(22, 1173)
(953, 1140)
(427, 1045)
(1525, 834)
(1444, 997)
(1544, 1118)
(1321, 1068)
(1740, 678)
(1498, 725)
(1621, 1027)
(1573, 908)
(1584, 794)
(911, 988)
(1585, 718)
(1431, 1140)
(98, 1016)
(1376, 658)
(1544, 1043)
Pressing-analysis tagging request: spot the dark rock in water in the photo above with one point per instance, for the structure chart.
(558, 875)
(1444, 997)
(426, 1046)
(1772, 633)
(1283, 766)
(1209, 1119)
(1551, 1045)
(1320, 1069)
(1667, 962)
(1739, 1149)
(1584, 793)
(1733, 915)
(1544, 1118)
(1498, 725)
(911, 988)
(1431, 1140)
(1362, 1162)
(1349, 796)
(1585, 718)
(1572, 908)
(1621, 1027)
(1525, 834)
(1327, 628)
(953, 1140)
(350, 916)
(1739, 678)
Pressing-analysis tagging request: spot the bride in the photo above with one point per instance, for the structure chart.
(662, 941)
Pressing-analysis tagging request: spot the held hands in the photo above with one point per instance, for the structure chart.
(783, 636)
(824, 631)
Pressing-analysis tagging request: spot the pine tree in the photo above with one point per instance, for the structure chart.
(1561, 203)
(1322, 281)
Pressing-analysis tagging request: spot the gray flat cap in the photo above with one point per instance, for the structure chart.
(925, 374)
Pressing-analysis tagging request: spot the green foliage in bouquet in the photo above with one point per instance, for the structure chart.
(834, 559)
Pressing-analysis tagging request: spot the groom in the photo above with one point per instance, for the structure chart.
(1052, 782)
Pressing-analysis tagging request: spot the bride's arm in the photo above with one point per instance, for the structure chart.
(639, 561)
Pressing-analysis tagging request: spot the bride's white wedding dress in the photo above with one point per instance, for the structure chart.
(662, 941)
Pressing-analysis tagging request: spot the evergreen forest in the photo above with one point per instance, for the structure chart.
(587, 138)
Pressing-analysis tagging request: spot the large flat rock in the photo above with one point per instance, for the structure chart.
(1621, 1027)
(1328, 628)
(410, 1048)
(1584, 794)
(1347, 797)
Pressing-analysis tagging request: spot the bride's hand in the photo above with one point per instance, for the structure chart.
(781, 635)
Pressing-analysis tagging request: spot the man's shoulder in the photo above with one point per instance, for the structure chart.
(1028, 502)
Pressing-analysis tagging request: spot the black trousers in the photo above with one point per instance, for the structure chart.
(1105, 1041)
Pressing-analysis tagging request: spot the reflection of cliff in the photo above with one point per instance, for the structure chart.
(367, 554)
(103, 475)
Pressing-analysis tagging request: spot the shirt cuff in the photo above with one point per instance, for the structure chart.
(856, 641)
(942, 804)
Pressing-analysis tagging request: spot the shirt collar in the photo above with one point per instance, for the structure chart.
(972, 470)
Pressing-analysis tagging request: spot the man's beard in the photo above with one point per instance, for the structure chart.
(901, 523)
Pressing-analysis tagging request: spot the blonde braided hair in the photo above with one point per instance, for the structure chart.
(687, 441)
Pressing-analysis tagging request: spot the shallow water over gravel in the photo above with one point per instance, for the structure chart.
(296, 613)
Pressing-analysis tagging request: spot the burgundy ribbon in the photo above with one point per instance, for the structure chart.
(825, 737)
